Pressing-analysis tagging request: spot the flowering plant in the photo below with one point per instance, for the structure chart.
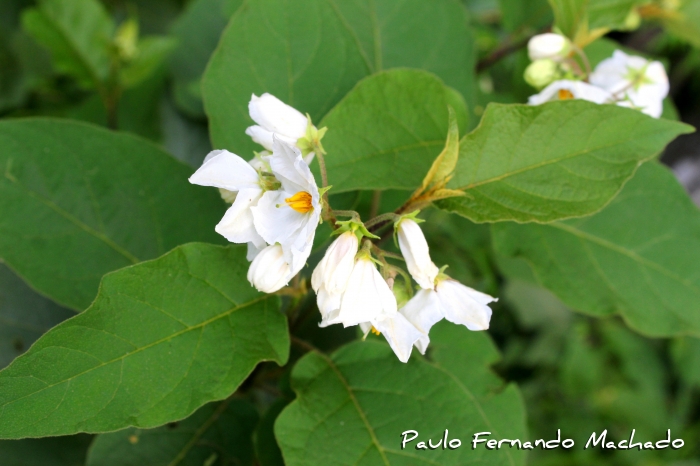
(359, 230)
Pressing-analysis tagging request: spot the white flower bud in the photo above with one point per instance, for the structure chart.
(367, 296)
(274, 117)
(463, 305)
(414, 248)
(549, 45)
(269, 272)
(540, 73)
(333, 272)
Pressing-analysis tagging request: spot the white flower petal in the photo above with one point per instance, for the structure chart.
(277, 117)
(400, 334)
(423, 310)
(578, 89)
(269, 272)
(275, 221)
(237, 224)
(253, 251)
(226, 170)
(415, 250)
(367, 296)
(463, 305)
(260, 136)
(327, 302)
(338, 262)
(290, 169)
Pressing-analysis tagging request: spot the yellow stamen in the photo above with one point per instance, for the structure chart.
(375, 331)
(565, 94)
(301, 202)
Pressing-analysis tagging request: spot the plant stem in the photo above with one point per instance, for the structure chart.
(327, 211)
(380, 219)
(376, 201)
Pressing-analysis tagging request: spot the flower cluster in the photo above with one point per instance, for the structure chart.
(561, 71)
(276, 207)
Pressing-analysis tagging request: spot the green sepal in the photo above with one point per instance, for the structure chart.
(311, 141)
(356, 227)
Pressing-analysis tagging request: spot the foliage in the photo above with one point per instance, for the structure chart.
(132, 332)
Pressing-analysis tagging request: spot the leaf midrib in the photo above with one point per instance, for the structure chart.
(137, 350)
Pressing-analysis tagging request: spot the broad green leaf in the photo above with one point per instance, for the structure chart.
(386, 133)
(78, 34)
(568, 15)
(637, 257)
(77, 202)
(197, 31)
(553, 161)
(610, 14)
(352, 407)
(24, 316)
(162, 338)
(218, 431)
(51, 451)
(528, 15)
(310, 53)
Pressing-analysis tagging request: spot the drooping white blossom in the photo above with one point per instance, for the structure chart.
(567, 90)
(399, 333)
(289, 215)
(225, 170)
(274, 117)
(548, 46)
(331, 275)
(269, 271)
(367, 297)
(633, 82)
(415, 250)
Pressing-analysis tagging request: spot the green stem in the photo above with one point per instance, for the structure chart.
(389, 216)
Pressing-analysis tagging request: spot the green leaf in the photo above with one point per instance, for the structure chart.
(519, 15)
(569, 15)
(684, 22)
(152, 52)
(310, 53)
(638, 257)
(52, 451)
(77, 202)
(610, 14)
(218, 430)
(78, 34)
(352, 407)
(161, 339)
(197, 31)
(553, 161)
(24, 316)
(387, 131)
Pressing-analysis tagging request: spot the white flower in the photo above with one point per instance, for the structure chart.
(398, 331)
(566, 90)
(463, 305)
(227, 171)
(289, 216)
(333, 272)
(367, 297)
(451, 300)
(269, 271)
(331, 275)
(274, 117)
(633, 81)
(549, 45)
(414, 248)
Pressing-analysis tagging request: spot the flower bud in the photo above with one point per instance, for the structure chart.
(274, 117)
(541, 73)
(414, 248)
(269, 272)
(333, 272)
(549, 45)
(367, 296)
